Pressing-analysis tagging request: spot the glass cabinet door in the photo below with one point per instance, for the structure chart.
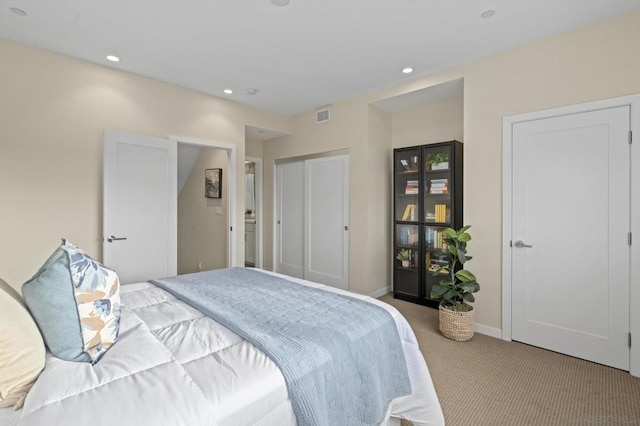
(436, 254)
(438, 186)
(407, 185)
(406, 265)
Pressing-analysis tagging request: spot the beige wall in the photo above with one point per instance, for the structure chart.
(590, 63)
(379, 204)
(202, 232)
(254, 148)
(429, 123)
(53, 111)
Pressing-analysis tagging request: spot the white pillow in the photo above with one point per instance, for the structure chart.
(21, 349)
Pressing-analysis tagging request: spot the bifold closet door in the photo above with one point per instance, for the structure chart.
(290, 219)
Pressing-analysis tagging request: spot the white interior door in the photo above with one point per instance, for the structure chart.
(139, 212)
(290, 219)
(326, 249)
(570, 288)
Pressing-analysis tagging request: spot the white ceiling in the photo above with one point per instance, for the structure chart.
(298, 57)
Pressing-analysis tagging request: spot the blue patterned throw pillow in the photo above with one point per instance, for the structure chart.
(76, 303)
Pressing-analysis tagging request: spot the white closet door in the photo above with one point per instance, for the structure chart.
(290, 219)
(326, 250)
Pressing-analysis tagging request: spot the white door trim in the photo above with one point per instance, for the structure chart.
(633, 101)
(231, 148)
(258, 162)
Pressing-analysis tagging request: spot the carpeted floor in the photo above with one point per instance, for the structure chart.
(487, 381)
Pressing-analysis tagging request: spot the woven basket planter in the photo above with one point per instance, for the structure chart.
(456, 325)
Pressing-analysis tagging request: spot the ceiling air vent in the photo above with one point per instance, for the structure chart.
(323, 114)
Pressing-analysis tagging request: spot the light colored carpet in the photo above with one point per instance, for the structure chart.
(487, 381)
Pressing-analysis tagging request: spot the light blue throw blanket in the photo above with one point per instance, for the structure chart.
(341, 357)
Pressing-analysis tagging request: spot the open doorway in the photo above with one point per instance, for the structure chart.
(253, 212)
(205, 221)
(202, 210)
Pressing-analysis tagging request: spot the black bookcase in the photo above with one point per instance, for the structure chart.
(427, 194)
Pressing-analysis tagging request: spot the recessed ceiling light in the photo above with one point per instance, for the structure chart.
(250, 92)
(113, 58)
(407, 70)
(228, 91)
(280, 3)
(17, 11)
(487, 14)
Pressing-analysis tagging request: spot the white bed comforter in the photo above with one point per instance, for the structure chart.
(173, 365)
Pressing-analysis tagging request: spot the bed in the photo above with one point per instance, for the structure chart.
(174, 365)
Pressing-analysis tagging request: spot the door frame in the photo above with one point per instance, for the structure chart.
(633, 101)
(258, 188)
(231, 148)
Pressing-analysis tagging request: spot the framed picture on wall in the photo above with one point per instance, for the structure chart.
(213, 183)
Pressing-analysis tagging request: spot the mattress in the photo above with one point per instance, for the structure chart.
(174, 365)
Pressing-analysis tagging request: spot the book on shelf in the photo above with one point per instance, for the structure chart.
(442, 213)
(411, 187)
(410, 212)
(434, 238)
(408, 235)
(407, 210)
(439, 186)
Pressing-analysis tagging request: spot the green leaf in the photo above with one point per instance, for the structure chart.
(450, 233)
(461, 257)
(463, 229)
(464, 237)
(447, 283)
(437, 291)
(470, 287)
(465, 276)
(451, 295)
(468, 297)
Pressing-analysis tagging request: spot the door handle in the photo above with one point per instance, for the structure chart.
(346, 228)
(520, 244)
(112, 238)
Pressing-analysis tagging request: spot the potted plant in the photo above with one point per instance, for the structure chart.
(438, 160)
(403, 256)
(456, 290)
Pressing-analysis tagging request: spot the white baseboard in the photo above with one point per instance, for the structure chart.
(488, 331)
(380, 292)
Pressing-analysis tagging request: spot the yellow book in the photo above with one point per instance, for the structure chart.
(407, 212)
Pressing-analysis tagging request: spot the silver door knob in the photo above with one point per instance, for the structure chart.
(520, 244)
(112, 238)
